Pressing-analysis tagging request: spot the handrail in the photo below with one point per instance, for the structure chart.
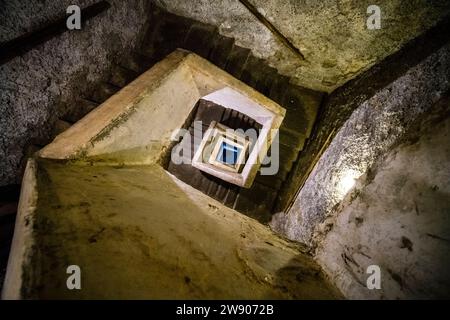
(272, 28)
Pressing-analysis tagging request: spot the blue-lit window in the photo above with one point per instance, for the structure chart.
(228, 154)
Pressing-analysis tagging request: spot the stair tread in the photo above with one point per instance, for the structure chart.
(171, 31)
(231, 196)
(301, 108)
(206, 113)
(168, 33)
(137, 62)
(278, 88)
(256, 201)
(60, 126)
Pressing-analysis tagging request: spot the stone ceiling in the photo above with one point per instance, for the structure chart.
(331, 34)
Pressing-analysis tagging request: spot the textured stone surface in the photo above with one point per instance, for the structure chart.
(40, 86)
(331, 34)
(397, 218)
(371, 131)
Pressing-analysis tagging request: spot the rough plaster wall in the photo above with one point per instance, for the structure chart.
(331, 34)
(371, 131)
(398, 218)
(40, 86)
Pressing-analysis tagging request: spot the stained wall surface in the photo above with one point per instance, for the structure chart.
(332, 35)
(372, 130)
(40, 86)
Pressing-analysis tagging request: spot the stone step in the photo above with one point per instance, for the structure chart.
(209, 185)
(60, 126)
(271, 181)
(284, 166)
(217, 188)
(211, 191)
(7, 226)
(256, 202)
(287, 156)
(282, 173)
(166, 34)
(81, 108)
(7, 223)
(9, 199)
(231, 196)
(201, 181)
(8, 208)
(199, 39)
(278, 88)
(221, 192)
(291, 138)
(192, 145)
(169, 32)
(301, 106)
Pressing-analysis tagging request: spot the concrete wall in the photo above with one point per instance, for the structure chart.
(370, 132)
(42, 85)
(332, 35)
(397, 218)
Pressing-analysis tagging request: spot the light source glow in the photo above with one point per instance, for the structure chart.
(347, 181)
